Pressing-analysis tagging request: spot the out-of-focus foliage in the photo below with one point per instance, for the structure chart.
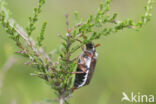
(126, 61)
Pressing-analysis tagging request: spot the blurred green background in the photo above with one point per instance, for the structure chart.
(126, 62)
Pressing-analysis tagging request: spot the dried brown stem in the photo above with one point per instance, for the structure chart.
(61, 99)
(31, 43)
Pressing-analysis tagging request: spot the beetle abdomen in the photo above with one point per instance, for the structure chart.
(80, 78)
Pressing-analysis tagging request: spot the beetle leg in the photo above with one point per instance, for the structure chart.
(81, 66)
(83, 70)
(77, 72)
(91, 56)
(83, 60)
(87, 54)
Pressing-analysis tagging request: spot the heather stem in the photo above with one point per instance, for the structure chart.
(61, 99)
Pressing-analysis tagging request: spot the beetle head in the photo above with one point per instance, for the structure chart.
(89, 46)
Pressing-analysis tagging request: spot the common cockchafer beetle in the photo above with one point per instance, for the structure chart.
(85, 66)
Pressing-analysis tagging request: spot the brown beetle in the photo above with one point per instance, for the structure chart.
(86, 66)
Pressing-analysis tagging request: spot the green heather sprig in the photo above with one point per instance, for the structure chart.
(28, 48)
(58, 72)
(41, 36)
(33, 19)
(101, 18)
(4, 15)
